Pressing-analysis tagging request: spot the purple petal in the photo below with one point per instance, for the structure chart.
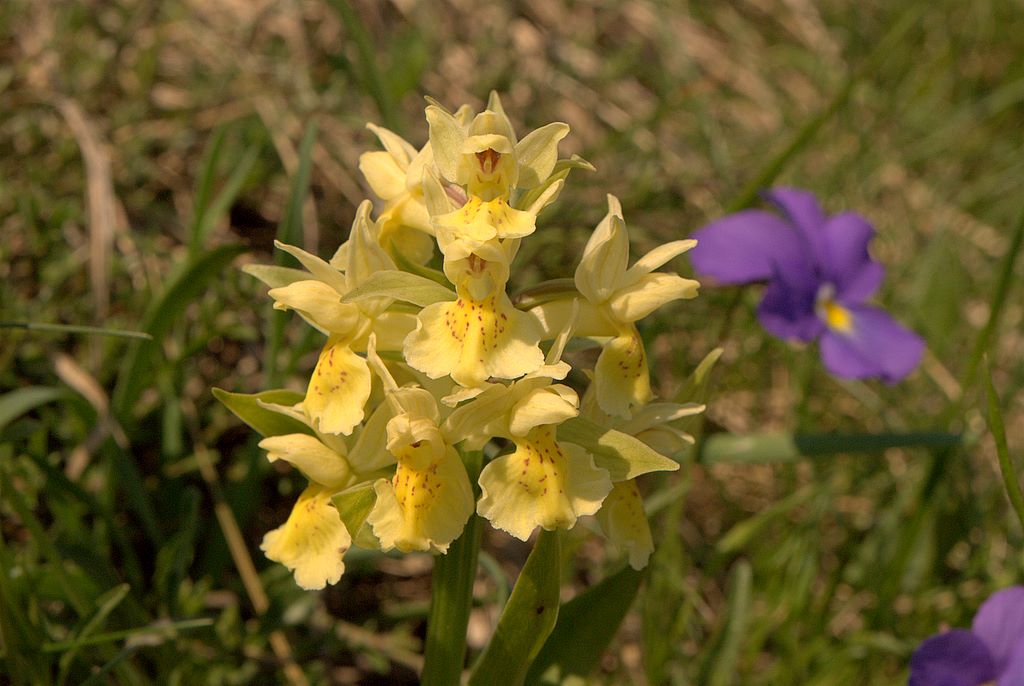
(1013, 673)
(1000, 623)
(743, 247)
(875, 346)
(863, 285)
(846, 259)
(955, 658)
(803, 210)
(787, 309)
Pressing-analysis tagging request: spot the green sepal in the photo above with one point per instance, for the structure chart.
(546, 291)
(275, 276)
(266, 422)
(624, 456)
(410, 288)
(354, 505)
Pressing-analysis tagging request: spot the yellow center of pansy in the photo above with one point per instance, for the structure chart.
(837, 317)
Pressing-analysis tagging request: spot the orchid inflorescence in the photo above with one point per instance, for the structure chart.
(421, 367)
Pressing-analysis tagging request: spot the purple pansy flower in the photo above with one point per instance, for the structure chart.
(992, 652)
(819, 276)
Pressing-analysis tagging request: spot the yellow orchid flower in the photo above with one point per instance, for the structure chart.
(480, 334)
(486, 160)
(313, 541)
(624, 523)
(340, 384)
(622, 517)
(396, 176)
(427, 502)
(621, 297)
(545, 482)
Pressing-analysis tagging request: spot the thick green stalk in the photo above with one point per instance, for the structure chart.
(451, 599)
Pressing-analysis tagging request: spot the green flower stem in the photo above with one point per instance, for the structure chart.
(452, 597)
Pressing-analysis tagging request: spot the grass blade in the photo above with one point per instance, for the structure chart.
(15, 403)
(995, 424)
(76, 328)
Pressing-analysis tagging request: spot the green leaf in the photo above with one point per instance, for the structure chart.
(410, 288)
(354, 506)
(528, 619)
(187, 282)
(275, 276)
(266, 422)
(786, 447)
(622, 455)
(585, 627)
(15, 403)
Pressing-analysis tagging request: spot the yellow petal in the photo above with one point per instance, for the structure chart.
(386, 178)
(427, 503)
(473, 340)
(548, 405)
(543, 483)
(338, 389)
(621, 378)
(624, 523)
(482, 220)
(538, 152)
(648, 293)
(590, 320)
(391, 329)
(316, 461)
(319, 304)
(312, 542)
(605, 256)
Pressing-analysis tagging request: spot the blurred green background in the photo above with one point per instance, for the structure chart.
(149, 149)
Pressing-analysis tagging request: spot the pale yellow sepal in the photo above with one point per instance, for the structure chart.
(312, 541)
(543, 483)
(624, 522)
(318, 304)
(386, 178)
(621, 377)
(338, 389)
(636, 301)
(605, 256)
(316, 461)
(537, 153)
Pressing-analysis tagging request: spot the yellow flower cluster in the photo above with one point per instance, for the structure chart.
(421, 366)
